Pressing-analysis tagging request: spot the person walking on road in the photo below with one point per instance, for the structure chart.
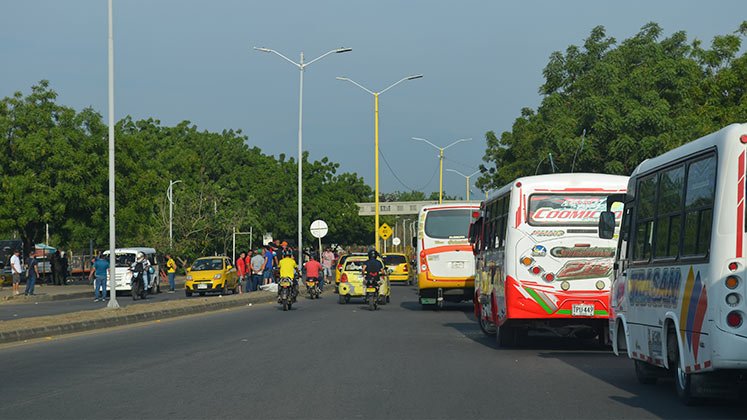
(100, 270)
(171, 272)
(257, 265)
(241, 270)
(32, 269)
(16, 269)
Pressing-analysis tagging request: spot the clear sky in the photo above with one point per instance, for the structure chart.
(193, 60)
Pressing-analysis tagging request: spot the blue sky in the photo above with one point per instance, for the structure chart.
(193, 60)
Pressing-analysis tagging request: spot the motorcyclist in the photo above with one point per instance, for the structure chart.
(140, 270)
(372, 268)
(289, 269)
(313, 270)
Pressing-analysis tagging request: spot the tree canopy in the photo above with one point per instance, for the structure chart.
(54, 170)
(624, 102)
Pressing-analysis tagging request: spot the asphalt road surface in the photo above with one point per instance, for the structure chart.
(325, 360)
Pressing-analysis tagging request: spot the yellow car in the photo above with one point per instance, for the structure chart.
(340, 264)
(211, 275)
(351, 281)
(399, 266)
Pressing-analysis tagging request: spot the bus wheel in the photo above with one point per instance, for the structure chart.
(487, 327)
(682, 381)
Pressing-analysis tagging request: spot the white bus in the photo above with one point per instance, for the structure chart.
(539, 260)
(678, 297)
(446, 266)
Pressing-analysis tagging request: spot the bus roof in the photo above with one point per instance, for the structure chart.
(729, 133)
(568, 183)
(454, 205)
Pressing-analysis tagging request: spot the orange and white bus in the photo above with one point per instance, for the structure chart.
(539, 260)
(446, 266)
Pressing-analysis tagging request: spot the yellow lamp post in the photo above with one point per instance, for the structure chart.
(466, 177)
(441, 164)
(376, 144)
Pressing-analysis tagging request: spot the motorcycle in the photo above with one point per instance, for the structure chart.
(312, 288)
(286, 293)
(372, 291)
(137, 285)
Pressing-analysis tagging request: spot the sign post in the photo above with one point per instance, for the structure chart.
(319, 230)
(384, 233)
(396, 241)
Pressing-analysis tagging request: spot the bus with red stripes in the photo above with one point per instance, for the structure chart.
(446, 266)
(540, 263)
(678, 296)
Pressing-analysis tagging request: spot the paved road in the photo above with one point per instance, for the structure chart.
(324, 360)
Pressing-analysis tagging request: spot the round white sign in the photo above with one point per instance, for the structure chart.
(396, 241)
(319, 228)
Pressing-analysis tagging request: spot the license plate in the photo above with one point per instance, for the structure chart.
(457, 264)
(202, 286)
(428, 301)
(370, 289)
(582, 310)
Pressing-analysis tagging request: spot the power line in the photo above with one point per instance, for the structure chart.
(386, 162)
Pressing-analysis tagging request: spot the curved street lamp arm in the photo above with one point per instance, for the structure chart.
(336, 50)
(419, 139)
(457, 142)
(457, 172)
(474, 173)
(345, 79)
(411, 77)
(268, 50)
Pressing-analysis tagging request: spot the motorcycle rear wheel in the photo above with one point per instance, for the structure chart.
(286, 306)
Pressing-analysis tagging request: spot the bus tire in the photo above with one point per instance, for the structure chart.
(682, 379)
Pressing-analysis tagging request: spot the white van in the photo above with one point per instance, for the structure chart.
(125, 257)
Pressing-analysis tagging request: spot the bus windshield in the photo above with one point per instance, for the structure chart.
(447, 224)
(565, 209)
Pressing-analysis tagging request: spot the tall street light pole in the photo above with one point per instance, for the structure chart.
(441, 164)
(170, 196)
(466, 177)
(112, 225)
(301, 65)
(376, 145)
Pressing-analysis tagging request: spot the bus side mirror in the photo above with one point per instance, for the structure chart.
(606, 225)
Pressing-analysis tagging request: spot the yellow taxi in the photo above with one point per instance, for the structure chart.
(399, 266)
(211, 275)
(340, 264)
(351, 281)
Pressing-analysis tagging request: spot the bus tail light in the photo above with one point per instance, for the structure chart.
(734, 319)
(732, 282)
(527, 261)
(732, 299)
(733, 266)
(344, 278)
(743, 138)
(549, 277)
(536, 269)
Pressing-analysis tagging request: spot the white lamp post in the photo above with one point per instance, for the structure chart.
(112, 232)
(467, 177)
(170, 196)
(301, 65)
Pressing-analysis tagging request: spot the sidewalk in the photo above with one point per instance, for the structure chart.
(48, 292)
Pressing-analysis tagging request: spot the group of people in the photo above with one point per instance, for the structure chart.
(30, 267)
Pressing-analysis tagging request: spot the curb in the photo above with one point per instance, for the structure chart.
(118, 320)
(61, 296)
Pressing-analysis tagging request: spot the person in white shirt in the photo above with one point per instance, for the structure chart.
(16, 269)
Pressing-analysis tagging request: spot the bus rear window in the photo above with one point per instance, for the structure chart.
(565, 209)
(447, 224)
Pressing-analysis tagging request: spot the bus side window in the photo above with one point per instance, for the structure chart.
(699, 196)
(644, 218)
(669, 213)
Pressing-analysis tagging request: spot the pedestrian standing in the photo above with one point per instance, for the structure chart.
(100, 270)
(328, 258)
(32, 270)
(171, 272)
(241, 270)
(16, 269)
(63, 267)
(269, 259)
(248, 274)
(54, 262)
(257, 265)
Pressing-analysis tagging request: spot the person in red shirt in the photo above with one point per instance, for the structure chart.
(241, 270)
(248, 277)
(313, 268)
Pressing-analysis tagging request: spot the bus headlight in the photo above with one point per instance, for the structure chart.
(600, 284)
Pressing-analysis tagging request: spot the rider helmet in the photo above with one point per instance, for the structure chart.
(372, 254)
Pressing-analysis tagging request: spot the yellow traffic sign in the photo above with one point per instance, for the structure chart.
(385, 231)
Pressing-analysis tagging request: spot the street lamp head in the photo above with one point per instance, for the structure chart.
(415, 76)
(263, 49)
(342, 78)
(343, 50)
